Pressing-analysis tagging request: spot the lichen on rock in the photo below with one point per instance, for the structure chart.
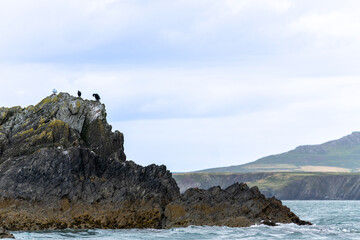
(59, 120)
(62, 150)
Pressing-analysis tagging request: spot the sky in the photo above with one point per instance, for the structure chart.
(192, 84)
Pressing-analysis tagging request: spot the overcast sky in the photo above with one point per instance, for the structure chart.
(193, 84)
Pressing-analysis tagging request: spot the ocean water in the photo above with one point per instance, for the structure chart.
(331, 219)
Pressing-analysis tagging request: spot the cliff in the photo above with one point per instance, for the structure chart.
(319, 187)
(61, 166)
(285, 186)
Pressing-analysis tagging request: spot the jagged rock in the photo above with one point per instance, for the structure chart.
(61, 166)
(58, 121)
(236, 206)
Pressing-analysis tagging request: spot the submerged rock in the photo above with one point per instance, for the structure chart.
(61, 166)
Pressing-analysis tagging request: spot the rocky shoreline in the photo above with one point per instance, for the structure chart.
(61, 166)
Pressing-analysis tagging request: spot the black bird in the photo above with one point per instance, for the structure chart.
(79, 93)
(96, 96)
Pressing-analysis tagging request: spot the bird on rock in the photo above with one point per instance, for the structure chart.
(96, 96)
(79, 93)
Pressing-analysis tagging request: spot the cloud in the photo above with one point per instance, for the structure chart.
(313, 37)
(191, 144)
(36, 29)
(334, 32)
(191, 119)
(328, 25)
(177, 92)
(192, 84)
(328, 31)
(89, 31)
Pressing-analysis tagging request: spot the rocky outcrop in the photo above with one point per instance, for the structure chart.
(61, 166)
(58, 121)
(236, 206)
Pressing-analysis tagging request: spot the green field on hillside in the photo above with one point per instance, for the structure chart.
(342, 155)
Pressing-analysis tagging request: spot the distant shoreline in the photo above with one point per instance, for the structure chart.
(282, 185)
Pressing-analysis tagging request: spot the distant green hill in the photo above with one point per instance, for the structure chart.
(341, 155)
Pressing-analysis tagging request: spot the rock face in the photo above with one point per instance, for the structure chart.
(61, 166)
(321, 187)
(58, 121)
(236, 206)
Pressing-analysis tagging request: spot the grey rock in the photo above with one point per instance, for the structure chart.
(236, 206)
(62, 166)
(62, 152)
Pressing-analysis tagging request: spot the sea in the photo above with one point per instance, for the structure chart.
(331, 220)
